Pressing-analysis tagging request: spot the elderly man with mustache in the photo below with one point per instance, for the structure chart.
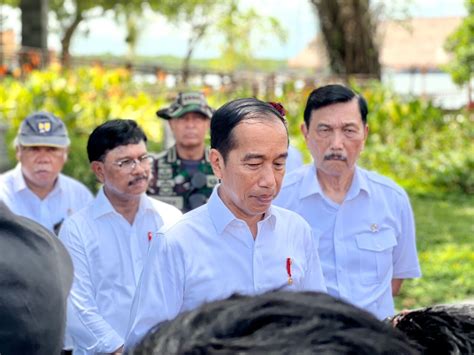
(36, 188)
(363, 221)
(109, 239)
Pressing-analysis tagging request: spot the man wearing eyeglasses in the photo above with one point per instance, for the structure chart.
(109, 239)
(35, 188)
(182, 174)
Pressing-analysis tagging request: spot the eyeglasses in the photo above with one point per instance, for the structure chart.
(130, 164)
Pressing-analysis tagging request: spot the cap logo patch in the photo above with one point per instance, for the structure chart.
(44, 126)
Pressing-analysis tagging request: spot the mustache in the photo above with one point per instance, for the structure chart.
(334, 156)
(139, 178)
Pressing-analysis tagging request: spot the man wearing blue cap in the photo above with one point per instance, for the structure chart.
(182, 174)
(35, 188)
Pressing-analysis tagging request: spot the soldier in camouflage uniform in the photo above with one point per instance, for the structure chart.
(182, 174)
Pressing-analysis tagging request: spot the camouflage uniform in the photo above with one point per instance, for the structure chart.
(173, 184)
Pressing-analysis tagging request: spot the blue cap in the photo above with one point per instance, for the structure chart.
(43, 129)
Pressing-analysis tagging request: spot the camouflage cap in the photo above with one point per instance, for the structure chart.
(42, 129)
(186, 102)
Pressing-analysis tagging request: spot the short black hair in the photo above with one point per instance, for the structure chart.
(112, 134)
(228, 116)
(332, 94)
(275, 323)
(440, 329)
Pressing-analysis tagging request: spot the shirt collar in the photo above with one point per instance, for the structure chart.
(310, 184)
(359, 183)
(19, 182)
(102, 205)
(221, 216)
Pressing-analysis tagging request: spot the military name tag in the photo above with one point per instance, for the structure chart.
(165, 183)
(165, 174)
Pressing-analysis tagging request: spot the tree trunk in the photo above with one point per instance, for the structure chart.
(34, 32)
(349, 31)
(198, 32)
(66, 39)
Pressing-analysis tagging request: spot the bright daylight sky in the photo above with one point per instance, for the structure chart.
(158, 37)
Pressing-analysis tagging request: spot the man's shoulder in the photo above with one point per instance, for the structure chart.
(289, 217)
(292, 181)
(382, 181)
(294, 177)
(160, 155)
(72, 183)
(164, 209)
(190, 221)
(6, 179)
(166, 155)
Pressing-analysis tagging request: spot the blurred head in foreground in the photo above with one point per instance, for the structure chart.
(275, 323)
(35, 279)
(441, 329)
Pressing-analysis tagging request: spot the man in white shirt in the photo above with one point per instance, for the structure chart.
(108, 240)
(363, 221)
(35, 188)
(237, 242)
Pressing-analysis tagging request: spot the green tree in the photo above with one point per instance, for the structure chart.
(238, 30)
(461, 45)
(71, 13)
(244, 31)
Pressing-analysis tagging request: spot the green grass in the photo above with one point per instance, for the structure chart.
(445, 239)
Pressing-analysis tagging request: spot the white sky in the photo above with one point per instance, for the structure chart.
(158, 37)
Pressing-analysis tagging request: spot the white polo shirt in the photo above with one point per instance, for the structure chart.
(210, 254)
(365, 242)
(67, 197)
(108, 255)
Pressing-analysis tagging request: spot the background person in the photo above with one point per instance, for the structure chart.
(182, 174)
(237, 242)
(109, 239)
(35, 188)
(363, 220)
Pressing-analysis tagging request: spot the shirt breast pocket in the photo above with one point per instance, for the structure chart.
(375, 255)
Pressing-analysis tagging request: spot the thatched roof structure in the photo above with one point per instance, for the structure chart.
(415, 44)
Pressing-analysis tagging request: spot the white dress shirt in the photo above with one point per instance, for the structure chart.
(108, 255)
(210, 254)
(294, 159)
(365, 242)
(67, 197)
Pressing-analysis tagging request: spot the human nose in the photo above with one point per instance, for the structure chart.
(337, 140)
(43, 155)
(190, 121)
(268, 177)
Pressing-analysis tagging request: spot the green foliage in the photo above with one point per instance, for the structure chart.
(444, 237)
(412, 141)
(418, 144)
(461, 45)
(240, 29)
(83, 99)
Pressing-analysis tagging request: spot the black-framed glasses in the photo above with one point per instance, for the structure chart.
(130, 164)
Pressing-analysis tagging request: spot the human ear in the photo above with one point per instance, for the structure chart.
(98, 169)
(217, 162)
